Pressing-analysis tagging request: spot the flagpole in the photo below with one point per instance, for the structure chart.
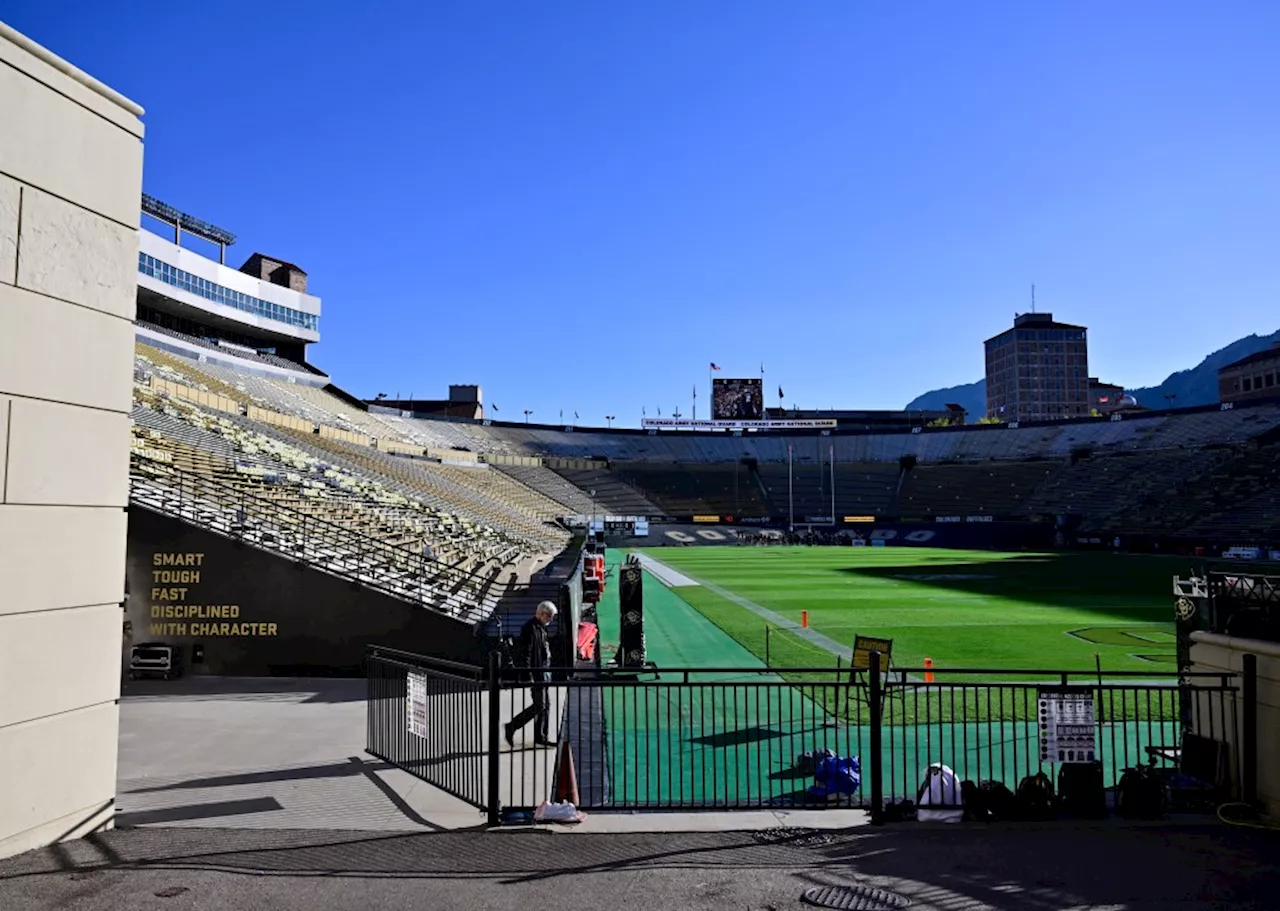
(791, 500)
(833, 484)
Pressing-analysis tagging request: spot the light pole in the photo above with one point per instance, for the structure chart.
(609, 418)
(527, 412)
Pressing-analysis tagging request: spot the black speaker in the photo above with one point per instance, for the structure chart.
(631, 651)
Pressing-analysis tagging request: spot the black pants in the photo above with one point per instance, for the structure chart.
(536, 709)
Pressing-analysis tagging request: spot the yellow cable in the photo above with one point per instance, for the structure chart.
(1245, 824)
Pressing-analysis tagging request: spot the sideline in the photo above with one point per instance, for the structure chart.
(665, 574)
(826, 643)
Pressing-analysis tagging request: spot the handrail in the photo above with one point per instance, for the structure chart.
(230, 496)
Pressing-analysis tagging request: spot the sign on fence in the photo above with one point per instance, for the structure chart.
(1067, 726)
(863, 646)
(417, 708)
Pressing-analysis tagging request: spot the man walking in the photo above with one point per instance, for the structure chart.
(535, 652)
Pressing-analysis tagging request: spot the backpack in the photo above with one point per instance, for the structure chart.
(1140, 794)
(1035, 797)
(988, 800)
(1080, 790)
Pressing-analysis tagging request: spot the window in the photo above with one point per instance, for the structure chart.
(149, 265)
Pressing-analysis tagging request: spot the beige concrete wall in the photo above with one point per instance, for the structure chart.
(70, 180)
(1211, 652)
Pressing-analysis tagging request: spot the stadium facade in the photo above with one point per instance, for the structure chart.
(1251, 379)
(70, 180)
(258, 318)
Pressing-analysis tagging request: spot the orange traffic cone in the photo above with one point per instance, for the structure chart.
(566, 776)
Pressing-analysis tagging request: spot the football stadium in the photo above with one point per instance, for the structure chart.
(765, 607)
(719, 583)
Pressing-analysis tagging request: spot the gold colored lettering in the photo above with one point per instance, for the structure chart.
(187, 576)
(163, 559)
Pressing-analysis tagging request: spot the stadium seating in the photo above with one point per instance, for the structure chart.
(991, 488)
(1207, 473)
(698, 489)
(861, 489)
(210, 345)
(572, 499)
(284, 497)
(618, 497)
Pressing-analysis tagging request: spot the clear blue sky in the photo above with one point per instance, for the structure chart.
(579, 205)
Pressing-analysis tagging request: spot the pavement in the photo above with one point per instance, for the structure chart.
(956, 868)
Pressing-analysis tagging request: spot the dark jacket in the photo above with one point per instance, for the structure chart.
(535, 650)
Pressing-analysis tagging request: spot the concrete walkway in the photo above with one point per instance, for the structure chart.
(289, 754)
(955, 868)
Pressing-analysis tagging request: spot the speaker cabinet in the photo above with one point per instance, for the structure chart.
(631, 607)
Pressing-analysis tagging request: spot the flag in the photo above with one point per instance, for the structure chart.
(642, 411)
(762, 369)
(779, 392)
(695, 392)
(575, 415)
(493, 406)
(562, 414)
(659, 411)
(713, 366)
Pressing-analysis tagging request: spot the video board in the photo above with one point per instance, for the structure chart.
(737, 400)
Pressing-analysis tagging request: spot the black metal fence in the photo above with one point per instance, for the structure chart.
(736, 738)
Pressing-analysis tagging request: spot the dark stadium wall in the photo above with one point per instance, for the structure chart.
(1008, 536)
(253, 613)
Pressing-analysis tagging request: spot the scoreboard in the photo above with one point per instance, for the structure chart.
(737, 400)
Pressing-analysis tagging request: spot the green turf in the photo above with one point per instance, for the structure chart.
(731, 738)
(963, 609)
(711, 739)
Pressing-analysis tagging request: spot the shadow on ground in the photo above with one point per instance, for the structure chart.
(269, 689)
(1126, 587)
(1021, 868)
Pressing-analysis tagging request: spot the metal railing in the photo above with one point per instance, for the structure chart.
(403, 571)
(736, 738)
(443, 744)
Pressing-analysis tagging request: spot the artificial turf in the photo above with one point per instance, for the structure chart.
(963, 609)
(723, 739)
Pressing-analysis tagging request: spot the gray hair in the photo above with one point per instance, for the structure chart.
(548, 608)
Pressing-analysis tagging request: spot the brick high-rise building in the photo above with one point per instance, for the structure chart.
(1038, 370)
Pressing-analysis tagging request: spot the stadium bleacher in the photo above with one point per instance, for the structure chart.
(485, 500)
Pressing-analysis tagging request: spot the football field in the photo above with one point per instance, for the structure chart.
(963, 609)
(732, 737)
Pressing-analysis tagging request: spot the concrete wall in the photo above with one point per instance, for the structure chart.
(70, 180)
(1212, 652)
(288, 618)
